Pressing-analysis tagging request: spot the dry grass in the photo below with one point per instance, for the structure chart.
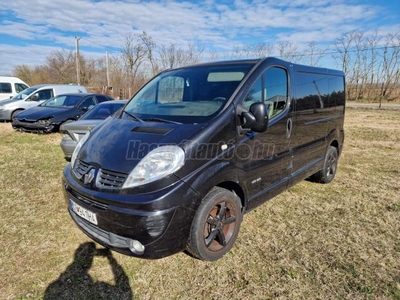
(336, 241)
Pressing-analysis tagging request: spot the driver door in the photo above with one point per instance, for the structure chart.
(265, 157)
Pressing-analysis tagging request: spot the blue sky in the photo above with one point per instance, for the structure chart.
(31, 30)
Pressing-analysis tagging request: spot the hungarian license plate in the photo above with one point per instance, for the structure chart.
(83, 212)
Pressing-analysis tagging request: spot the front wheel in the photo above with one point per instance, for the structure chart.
(14, 113)
(216, 225)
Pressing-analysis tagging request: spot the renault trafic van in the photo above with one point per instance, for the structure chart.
(10, 86)
(33, 96)
(198, 147)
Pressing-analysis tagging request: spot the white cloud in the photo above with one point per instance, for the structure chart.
(218, 26)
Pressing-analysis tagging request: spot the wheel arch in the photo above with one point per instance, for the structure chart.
(15, 110)
(221, 174)
(236, 189)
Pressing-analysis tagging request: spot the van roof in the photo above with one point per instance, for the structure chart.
(10, 78)
(52, 85)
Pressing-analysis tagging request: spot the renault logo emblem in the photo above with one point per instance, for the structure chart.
(89, 176)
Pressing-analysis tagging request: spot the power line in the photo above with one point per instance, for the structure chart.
(98, 44)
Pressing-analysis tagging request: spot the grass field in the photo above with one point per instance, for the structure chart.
(336, 241)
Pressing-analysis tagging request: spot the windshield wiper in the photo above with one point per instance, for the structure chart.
(133, 116)
(161, 120)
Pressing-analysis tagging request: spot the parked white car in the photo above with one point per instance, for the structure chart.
(34, 96)
(11, 86)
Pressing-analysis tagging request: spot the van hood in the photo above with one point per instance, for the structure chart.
(119, 144)
(41, 112)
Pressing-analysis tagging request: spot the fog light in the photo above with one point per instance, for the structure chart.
(136, 247)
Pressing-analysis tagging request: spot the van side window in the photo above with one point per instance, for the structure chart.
(276, 90)
(272, 88)
(19, 87)
(44, 94)
(5, 88)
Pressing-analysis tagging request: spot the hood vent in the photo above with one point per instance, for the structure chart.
(154, 130)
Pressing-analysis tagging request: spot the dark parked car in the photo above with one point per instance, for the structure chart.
(72, 132)
(198, 147)
(48, 116)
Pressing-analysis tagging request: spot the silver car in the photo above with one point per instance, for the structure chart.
(74, 131)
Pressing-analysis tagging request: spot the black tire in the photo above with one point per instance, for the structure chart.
(216, 225)
(327, 174)
(15, 112)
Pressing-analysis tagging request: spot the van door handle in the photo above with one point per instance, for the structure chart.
(289, 127)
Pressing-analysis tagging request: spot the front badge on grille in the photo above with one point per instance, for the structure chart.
(89, 176)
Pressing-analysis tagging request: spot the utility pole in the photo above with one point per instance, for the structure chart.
(78, 71)
(108, 74)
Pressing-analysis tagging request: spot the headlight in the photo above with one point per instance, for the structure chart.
(157, 164)
(66, 137)
(43, 122)
(78, 148)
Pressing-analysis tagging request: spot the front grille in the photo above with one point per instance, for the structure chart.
(110, 180)
(81, 169)
(90, 202)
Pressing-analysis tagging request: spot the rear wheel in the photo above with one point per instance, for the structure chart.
(216, 225)
(327, 174)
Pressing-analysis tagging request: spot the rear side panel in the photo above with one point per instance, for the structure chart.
(318, 122)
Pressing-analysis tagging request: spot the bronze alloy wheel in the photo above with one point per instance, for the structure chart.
(216, 225)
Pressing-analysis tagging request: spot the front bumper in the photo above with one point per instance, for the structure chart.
(5, 114)
(159, 220)
(32, 126)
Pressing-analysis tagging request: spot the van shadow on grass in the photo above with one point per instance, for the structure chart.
(76, 282)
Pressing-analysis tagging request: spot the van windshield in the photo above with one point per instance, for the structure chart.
(25, 93)
(188, 95)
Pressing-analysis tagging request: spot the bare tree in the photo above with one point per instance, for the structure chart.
(173, 56)
(61, 66)
(133, 55)
(390, 70)
(343, 47)
(314, 53)
(149, 46)
(287, 50)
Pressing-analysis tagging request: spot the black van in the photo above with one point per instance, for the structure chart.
(199, 146)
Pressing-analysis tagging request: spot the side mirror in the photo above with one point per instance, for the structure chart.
(84, 109)
(256, 119)
(34, 97)
(259, 111)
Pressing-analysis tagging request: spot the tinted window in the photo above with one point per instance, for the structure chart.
(317, 91)
(276, 90)
(272, 88)
(101, 98)
(88, 102)
(44, 94)
(5, 88)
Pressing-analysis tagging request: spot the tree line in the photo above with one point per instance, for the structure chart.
(370, 62)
